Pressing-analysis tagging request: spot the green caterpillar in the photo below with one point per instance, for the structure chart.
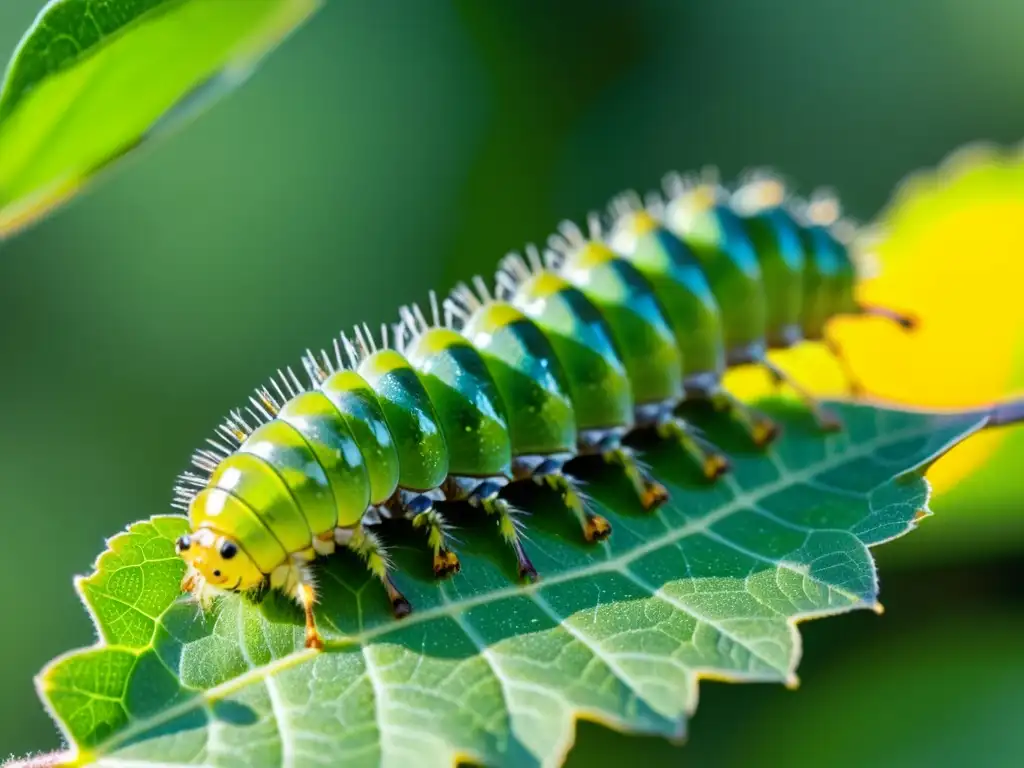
(605, 333)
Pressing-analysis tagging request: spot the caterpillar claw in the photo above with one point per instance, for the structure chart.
(313, 640)
(716, 465)
(764, 432)
(526, 570)
(596, 529)
(653, 496)
(400, 607)
(446, 563)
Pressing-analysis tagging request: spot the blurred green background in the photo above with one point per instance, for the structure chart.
(389, 147)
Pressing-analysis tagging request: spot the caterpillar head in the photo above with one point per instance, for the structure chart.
(218, 562)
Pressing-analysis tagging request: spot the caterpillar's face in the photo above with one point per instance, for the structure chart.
(219, 561)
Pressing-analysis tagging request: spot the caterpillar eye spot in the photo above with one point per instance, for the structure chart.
(216, 574)
(228, 550)
(183, 543)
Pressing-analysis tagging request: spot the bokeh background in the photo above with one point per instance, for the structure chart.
(389, 147)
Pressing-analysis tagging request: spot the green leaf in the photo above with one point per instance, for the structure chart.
(94, 79)
(710, 586)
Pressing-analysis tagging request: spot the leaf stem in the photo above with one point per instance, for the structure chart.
(1004, 414)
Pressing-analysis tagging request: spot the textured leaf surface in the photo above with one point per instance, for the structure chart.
(710, 586)
(93, 78)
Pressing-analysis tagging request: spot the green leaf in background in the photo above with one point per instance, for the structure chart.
(710, 586)
(93, 79)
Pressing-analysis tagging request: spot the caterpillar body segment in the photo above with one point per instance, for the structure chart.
(635, 316)
(568, 354)
(679, 280)
(529, 379)
(683, 291)
(778, 242)
(473, 419)
(469, 408)
(808, 269)
(598, 383)
(413, 425)
(411, 417)
(534, 385)
(698, 212)
(356, 402)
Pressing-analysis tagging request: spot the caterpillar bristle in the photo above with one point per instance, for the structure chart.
(515, 269)
(534, 261)
(316, 372)
(262, 412)
(654, 204)
(276, 404)
(229, 433)
(625, 203)
(337, 353)
(435, 313)
(186, 479)
(823, 208)
(365, 343)
(361, 345)
(465, 299)
(412, 324)
(569, 238)
(676, 184)
(512, 272)
(218, 447)
(460, 304)
(706, 183)
(296, 386)
(760, 189)
(483, 292)
(353, 353)
(421, 320)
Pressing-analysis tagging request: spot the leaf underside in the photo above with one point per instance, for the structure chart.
(488, 670)
(94, 79)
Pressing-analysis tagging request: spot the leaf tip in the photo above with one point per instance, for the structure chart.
(878, 608)
(792, 682)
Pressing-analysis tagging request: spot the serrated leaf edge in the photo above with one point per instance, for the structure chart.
(790, 679)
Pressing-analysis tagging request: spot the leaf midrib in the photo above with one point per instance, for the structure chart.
(451, 608)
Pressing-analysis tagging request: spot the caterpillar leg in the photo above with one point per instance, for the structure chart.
(595, 527)
(295, 578)
(366, 544)
(650, 491)
(485, 496)
(426, 518)
(761, 429)
(853, 385)
(306, 595)
(709, 458)
(826, 419)
(906, 322)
